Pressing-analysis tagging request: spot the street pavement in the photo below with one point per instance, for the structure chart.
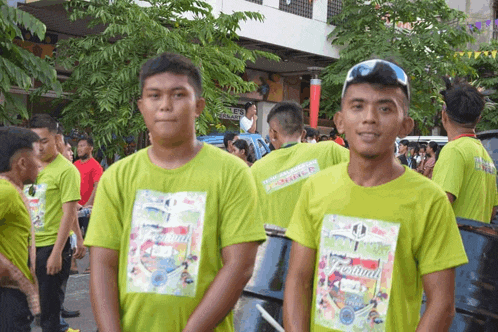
(78, 298)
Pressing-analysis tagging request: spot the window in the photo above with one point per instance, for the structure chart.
(334, 8)
(262, 147)
(302, 8)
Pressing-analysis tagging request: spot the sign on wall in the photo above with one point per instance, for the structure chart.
(236, 114)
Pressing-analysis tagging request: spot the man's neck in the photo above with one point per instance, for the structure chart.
(290, 139)
(12, 178)
(86, 159)
(373, 172)
(455, 131)
(45, 163)
(173, 156)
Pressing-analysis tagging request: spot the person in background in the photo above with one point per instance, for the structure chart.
(53, 203)
(309, 135)
(228, 140)
(420, 156)
(412, 154)
(248, 121)
(429, 164)
(67, 151)
(90, 171)
(241, 150)
(372, 201)
(19, 166)
(324, 138)
(201, 200)
(280, 175)
(403, 151)
(334, 137)
(464, 169)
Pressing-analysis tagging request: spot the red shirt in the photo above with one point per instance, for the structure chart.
(339, 141)
(90, 172)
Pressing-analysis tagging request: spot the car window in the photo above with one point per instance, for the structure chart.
(491, 145)
(262, 147)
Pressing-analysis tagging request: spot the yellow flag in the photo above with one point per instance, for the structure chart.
(469, 54)
(462, 53)
(493, 54)
(486, 53)
(476, 54)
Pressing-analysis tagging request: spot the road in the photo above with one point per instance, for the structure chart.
(78, 298)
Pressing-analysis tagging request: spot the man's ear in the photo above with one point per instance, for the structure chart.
(339, 122)
(140, 105)
(406, 127)
(199, 106)
(303, 135)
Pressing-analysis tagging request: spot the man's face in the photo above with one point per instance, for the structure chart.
(84, 149)
(170, 106)
(251, 111)
(372, 118)
(230, 144)
(403, 148)
(274, 133)
(47, 144)
(68, 152)
(30, 165)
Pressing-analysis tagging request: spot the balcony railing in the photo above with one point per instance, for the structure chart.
(334, 8)
(259, 2)
(302, 8)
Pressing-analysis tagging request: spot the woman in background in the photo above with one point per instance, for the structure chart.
(430, 150)
(241, 150)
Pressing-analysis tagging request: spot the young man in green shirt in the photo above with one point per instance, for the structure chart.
(53, 213)
(175, 227)
(280, 175)
(18, 166)
(464, 169)
(371, 235)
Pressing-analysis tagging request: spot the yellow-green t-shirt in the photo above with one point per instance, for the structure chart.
(56, 184)
(280, 175)
(169, 227)
(466, 170)
(15, 227)
(353, 230)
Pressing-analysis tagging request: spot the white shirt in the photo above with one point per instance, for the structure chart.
(245, 124)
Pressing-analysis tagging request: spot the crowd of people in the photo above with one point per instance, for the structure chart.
(175, 228)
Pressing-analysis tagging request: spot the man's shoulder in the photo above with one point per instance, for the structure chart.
(94, 163)
(213, 156)
(7, 190)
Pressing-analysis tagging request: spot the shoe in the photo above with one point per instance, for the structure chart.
(69, 314)
(73, 272)
(72, 330)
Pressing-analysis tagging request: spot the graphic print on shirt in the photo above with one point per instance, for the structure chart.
(354, 276)
(165, 242)
(37, 205)
(291, 176)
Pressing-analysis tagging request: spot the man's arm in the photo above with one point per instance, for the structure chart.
(252, 130)
(54, 262)
(80, 250)
(104, 288)
(439, 288)
(92, 196)
(299, 288)
(238, 264)
(451, 197)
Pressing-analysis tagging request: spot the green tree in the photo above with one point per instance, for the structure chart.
(425, 50)
(18, 66)
(485, 76)
(105, 66)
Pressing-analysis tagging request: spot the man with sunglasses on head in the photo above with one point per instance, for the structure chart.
(464, 169)
(371, 235)
(53, 212)
(18, 289)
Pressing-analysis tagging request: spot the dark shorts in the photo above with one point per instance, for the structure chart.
(14, 311)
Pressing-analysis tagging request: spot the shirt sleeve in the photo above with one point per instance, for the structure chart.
(301, 227)
(70, 185)
(245, 124)
(441, 246)
(106, 224)
(97, 172)
(241, 219)
(6, 203)
(449, 171)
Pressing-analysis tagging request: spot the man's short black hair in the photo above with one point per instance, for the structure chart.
(43, 120)
(229, 136)
(60, 128)
(464, 103)
(88, 140)
(13, 140)
(248, 104)
(172, 63)
(404, 142)
(333, 132)
(289, 115)
(310, 132)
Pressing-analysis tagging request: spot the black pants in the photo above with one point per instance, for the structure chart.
(50, 286)
(14, 311)
(83, 222)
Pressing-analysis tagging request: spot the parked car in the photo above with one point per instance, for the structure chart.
(257, 144)
(489, 140)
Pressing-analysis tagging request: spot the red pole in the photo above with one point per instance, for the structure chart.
(315, 88)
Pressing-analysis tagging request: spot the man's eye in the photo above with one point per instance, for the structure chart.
(153, 95)
(179, 95)
(385, 109)
(357, 106)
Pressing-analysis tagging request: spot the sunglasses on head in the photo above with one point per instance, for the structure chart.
(366, 68)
